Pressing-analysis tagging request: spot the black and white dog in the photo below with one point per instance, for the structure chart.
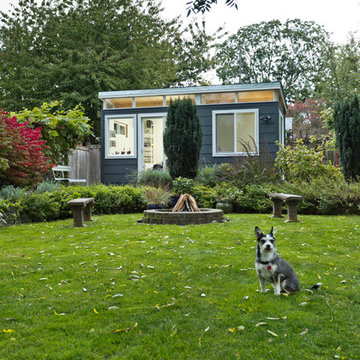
(271, 267)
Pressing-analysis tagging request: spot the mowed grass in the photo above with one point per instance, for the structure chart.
(117, 289)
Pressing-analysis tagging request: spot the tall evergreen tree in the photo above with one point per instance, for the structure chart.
(347, 128)
(182, 138)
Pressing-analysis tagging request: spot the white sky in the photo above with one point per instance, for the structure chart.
(338, 16)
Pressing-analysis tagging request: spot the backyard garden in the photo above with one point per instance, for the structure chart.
(120, 288)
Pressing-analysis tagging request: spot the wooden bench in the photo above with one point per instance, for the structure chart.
(81, 209)
(290, 200)
(62, 173)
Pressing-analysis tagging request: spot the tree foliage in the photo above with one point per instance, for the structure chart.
(307, 119)
(61, 129)
(347, 130)
(182, 139)
(202, 6)
(22, 153)
(342, 79)
(291, 52)
(71, 50)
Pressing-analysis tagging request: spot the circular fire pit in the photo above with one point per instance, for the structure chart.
(204, 216)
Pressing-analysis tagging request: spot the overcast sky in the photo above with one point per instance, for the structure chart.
(338, 16)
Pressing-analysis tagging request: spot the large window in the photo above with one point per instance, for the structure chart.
(235, 132)
(120, 136)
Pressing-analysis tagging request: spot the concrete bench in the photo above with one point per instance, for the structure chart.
(291, 202)
(62, 173)
(81, 209)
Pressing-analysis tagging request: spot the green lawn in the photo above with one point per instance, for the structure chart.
(117, 289)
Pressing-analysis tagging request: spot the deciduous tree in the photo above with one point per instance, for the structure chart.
(342, 78)
(23, 150)
(291, 52)
(71, 50)
(61, 129)
(307, 119)
(202, 6)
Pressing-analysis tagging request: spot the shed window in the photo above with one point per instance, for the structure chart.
(120, 136)
(235, 132)
(218, 98)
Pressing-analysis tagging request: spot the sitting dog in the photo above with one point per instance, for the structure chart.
(271, 267)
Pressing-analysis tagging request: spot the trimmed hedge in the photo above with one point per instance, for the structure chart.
(51, 206)
(321, 196)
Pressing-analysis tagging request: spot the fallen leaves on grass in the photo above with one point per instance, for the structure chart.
(205, 331)
(272, 333)
(8, 331)
(276, 318)
(261, 324)
(304, 332)
(61, 314)
(126, 330)
(237, 328)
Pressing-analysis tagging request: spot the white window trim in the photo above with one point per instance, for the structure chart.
(141, 136)
(281, 128)
(107, 139)
(227, 154)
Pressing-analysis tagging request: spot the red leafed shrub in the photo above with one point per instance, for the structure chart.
(22, 160)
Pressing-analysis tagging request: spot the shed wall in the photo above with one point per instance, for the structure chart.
(120, 171)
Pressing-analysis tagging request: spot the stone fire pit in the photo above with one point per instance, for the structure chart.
(204, 216)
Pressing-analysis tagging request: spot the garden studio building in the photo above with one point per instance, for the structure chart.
(133, 122)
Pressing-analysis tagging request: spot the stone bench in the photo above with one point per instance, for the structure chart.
(291, 202)
(81, 209)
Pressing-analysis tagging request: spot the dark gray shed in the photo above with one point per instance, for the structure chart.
(133, 122)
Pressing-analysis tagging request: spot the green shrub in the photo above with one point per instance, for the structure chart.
(118, 199)
(207, 176)
(66, 193)
(304, 162)
(253, 200)
(228, 192)
(204, 196)
(39, 207)
(155, 178)
(183, 185)
(12, 193)
(325, 196)
(48, 186)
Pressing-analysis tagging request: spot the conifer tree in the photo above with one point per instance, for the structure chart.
(347, 128)
(182, 138)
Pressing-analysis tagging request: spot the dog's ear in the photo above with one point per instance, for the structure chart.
(272, 231)
(258, 233)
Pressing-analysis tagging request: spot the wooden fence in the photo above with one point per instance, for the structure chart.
(85, 163)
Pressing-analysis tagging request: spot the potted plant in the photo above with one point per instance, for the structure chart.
(226, 196)
(156, 198)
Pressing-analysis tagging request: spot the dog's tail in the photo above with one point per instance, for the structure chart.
(316, 286)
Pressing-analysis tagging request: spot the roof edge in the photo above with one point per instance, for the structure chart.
(190, 90)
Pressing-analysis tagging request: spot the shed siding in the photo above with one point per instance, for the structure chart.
(119, 171)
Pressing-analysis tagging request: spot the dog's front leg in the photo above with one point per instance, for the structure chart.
(262, 284)
(276, 285)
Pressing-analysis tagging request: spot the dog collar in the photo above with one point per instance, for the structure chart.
(266, 262)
